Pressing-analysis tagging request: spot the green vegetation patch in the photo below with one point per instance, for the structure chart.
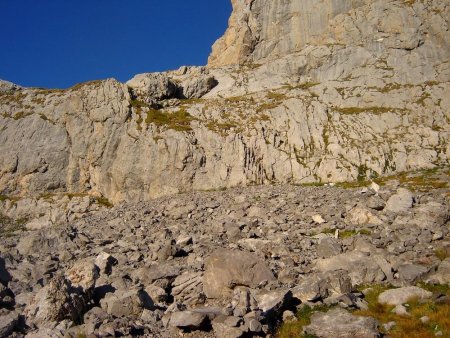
(294, 329)
(420, 180)
(104, 201)
(179, 120)
(351, 233)
(10, 227)
(359, 110)
(303, 86)
(441, 253)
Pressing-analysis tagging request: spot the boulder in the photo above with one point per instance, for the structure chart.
(188, 288)
(224, 328)
(411, 273)
(155, 85)
(198, 86)
(359, 216)
(403, 295)
(83, 274)
(323, 285)
(376, 203)
(342, 324)
(224, 269)
(93, 319)
(105, 262)
(126, 303)
(55, 302)
(8, 323)
(272, 302)
(362, 268)
(187, 320)
(148, 275)
(431, 215)
(328, 247)
(442, 274)
(400, 202)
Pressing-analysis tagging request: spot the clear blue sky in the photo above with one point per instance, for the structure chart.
(57, 43)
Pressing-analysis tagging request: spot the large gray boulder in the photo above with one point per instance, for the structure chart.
(126, 303)
(225, 269)
(328, 247)
(320, 286)
(361, 266)
(442, 274)
(155, 85)
(403, 295)
(187, 320)
(400, 202)
(342, 324)
(55, 302)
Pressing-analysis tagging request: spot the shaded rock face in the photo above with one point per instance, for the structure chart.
(295, 92)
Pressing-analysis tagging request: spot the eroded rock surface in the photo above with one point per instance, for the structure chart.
(300, 92)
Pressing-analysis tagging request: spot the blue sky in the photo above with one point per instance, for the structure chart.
(57, 43)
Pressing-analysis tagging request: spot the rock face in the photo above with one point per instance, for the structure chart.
(310, 91)
(295, 92)
(260, 29)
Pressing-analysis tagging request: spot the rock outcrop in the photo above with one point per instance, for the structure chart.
(295, 92)
(264, 29)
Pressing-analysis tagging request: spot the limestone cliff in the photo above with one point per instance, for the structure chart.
(266, 29)
(295, 91)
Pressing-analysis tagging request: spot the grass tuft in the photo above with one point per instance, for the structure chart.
(294, 329)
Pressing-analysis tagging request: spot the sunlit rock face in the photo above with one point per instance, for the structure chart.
(294, 92)
(260, 29)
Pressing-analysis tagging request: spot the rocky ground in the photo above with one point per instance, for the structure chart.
(230, 263)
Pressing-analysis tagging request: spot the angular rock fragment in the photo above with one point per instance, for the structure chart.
(328, 247)
(126, 303)
(225, 269)
(187, 319)
(188, 288)
(361, 267)
(323, 285)
(55, 302)
(400, 202)
(105, 262)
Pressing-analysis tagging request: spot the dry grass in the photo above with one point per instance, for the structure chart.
(419, 181)
(179, 120)
(410, 326)
(441, 253)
